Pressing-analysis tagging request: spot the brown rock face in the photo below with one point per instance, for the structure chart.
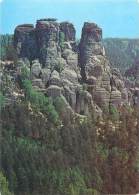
(68, 30)
(47, 31)
(57, 70)
(90, 45)
(105, 85)
(45, 41)
(25, 41)
(91, 31)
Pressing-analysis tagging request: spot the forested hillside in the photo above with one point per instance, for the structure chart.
(6, 47)
(122, 52)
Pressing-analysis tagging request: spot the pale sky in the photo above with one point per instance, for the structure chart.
(117, 18)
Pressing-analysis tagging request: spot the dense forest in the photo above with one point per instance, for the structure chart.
(122, 53)
(79, 157)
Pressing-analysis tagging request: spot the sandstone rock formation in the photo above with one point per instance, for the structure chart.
(25, 41)
(79, 73)
(107, 84)
(68, 30)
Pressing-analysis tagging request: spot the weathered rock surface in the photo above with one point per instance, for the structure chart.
(25, 41)
(79, 74)
(68, 30)
(36, 69)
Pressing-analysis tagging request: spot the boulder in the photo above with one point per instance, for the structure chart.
(70, 75)
(116, 98)
(53, 91)
(36, 69)
(72, 60)
(55, 79)
(101, 97)
(38, 83)
(46, 74)
(84, 103)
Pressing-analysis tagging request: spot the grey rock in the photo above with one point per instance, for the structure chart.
(115, 98)
(70, 75)
(46, 74)
(38, 83)
(53, 91)
(55, 79)
(36, 69)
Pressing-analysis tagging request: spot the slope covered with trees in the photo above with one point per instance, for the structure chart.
(82, 157)
(7, 51)
(121, 52)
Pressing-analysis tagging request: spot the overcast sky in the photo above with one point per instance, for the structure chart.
(118, 18)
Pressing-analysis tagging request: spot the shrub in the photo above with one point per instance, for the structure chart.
(113, 112)
(4, 185)
(59, 104)
(40, 101)
(25, 72)
(2, 100)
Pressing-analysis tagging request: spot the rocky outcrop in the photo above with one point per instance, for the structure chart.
(57, 71)
(47, 31)
(90, 45)
(36, 69)
(25, 41)
(79, 74)
(68, 30)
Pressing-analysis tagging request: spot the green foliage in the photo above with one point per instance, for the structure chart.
(25, 72)
(117, 150)
(34, 174)
(59, 104)
(68, 182)
(119, 154)
(70, 160)
(4, 185)
(2, 100)
(102, 151)
(114, 114)
(40, 101)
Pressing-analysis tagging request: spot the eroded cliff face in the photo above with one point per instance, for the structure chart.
(79, 74)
